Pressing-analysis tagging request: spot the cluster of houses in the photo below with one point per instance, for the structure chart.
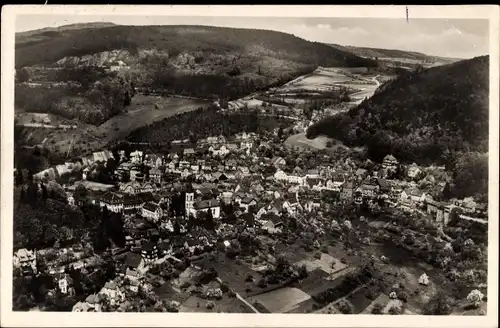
(163, 193)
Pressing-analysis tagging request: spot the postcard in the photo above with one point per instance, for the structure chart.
(249, 166)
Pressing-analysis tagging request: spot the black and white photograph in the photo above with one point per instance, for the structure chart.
(239, 164)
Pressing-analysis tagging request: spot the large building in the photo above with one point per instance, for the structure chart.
(211, 205)
(113, 202)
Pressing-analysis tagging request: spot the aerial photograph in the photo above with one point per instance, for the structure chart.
(251, 165)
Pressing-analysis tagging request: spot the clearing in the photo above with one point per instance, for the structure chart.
(143, 110)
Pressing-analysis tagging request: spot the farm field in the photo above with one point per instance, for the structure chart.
(323, 79)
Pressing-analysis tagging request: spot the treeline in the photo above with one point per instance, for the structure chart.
(99, 98)
(432, 116)
(177, 39)
(202, 123)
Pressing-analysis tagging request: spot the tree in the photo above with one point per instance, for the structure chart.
(377, 308)
(345, 306)
(23, 75)
(438, 305)
(475, 297)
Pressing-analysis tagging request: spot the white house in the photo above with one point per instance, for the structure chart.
(136, 157)
(152, 211)
(413, 170)
(280, 176)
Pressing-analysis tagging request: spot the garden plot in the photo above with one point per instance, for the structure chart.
(326, 263)
(282, 300)
(382, 299)
(185, 277)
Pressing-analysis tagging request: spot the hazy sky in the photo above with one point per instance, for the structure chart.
(460, 38)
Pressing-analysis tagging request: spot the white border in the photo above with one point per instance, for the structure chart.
(18, 319)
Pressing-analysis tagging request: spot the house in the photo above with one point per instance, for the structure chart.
(155, 174)
(369, 190)
(112, 201)
(358, 196)
(189, 152)
(413, 170)
(297, 179)
(280, 176)
(346, 192)
(291, 204)
(91, 304)
(70, 199)
(133, 267)
(149, 252)
(390, 163)
(247, 202)
(314, 183)
(271, 223)
(232, 147)
(219, 176)
(278, 161)
(136, 157)
(25, 260)
(112, 292)
(136, 174)
(226, 197)
(152, 211)
(238, 197)
(361, 173)
(219, 151)
(211, 205)
(64, 281)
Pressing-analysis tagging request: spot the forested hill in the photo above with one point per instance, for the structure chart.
(267, 47)
(392, 53)
(432, 116)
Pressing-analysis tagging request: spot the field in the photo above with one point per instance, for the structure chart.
(86, 138)
(281, 300)
(91, 185)
(323, 79)
(145, 110)
(300, 140)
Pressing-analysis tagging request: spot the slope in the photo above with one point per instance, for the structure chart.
(76, 42)
(432, 116)
(393, 54)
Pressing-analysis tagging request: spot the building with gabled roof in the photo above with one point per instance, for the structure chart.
(112, 201)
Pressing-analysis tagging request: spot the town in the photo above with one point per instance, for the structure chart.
(251, 168)
(245, 224)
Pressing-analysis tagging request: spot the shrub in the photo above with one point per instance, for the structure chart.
(394, 310)
(377, 308)
(345, 306)
(403, 296)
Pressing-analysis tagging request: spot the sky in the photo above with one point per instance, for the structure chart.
(456, 38)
